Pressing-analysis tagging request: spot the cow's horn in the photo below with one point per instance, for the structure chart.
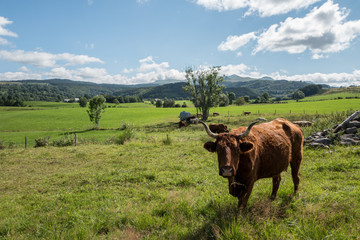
(246, 133)
(209, 132)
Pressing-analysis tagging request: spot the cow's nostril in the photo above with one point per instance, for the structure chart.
(227, 172)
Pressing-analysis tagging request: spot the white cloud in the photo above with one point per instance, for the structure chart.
(4, 31)
(233, 43)
(142, 1)
(332, 79)
(128, 70)
(230, 69)
(24, 69)
(100, 75)
(44, 59)
(264, 7)
(223, 5)
(148, 64)
(322, 30)
(268, 8)
(150, 71)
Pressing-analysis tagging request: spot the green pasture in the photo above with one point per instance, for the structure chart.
(160, 183)
(58, 119)
(146, 189)
(336, 93)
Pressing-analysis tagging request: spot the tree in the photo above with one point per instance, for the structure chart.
(203, 86)
(298, 95)
(240, 101)
(96, 107)
(116, 101)
(265, 97)
(247, 99)
(223, 100)
(168, 103)
(83, 101)
(232, 97)
(158, 103)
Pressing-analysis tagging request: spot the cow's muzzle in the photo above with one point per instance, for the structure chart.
(226, 172)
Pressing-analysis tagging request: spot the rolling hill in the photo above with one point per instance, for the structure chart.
(58, 89)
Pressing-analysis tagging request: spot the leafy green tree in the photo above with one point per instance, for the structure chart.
(168, 103)
(298, 95)
(223, 100)
(232, 97)
(96, 107)
(240, 101)
(247, 99)
(158, 103)
(265, 97)
(83, 101)
(204, 88)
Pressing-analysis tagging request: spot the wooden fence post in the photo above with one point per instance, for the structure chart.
(25, 142)
(75, 139)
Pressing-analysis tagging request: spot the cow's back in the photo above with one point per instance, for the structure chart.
(276, 144)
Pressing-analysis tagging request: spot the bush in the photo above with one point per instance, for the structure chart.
(42, 142)
(67, 140)
(125, 126)
(125, 136)
(177, 105)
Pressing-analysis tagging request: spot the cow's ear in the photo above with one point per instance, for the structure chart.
(210, 146)
(246, 146)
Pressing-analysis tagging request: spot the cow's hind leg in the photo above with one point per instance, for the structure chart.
(276, 185)
(295, 172)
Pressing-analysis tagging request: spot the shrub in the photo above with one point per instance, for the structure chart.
(125, 125)
(125, 136)
(42, 142)
(67, 140)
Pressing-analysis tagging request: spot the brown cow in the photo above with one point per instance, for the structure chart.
(216, 114)
(263, 151)
(247, 113)
(218, 128)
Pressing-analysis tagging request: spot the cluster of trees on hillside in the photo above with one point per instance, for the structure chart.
(8, 100)
(33, 92)
(122, 99)
(167, 103)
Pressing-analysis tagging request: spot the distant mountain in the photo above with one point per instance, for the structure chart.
(58, 89)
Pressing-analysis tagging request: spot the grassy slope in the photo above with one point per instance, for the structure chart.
(336, 93)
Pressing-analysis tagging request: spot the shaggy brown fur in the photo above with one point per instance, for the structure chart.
(218, 128)
(264, 153)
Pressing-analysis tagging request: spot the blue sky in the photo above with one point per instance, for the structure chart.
(141, 41)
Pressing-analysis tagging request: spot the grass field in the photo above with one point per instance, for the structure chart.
(161, 183)
(57, 119)
(146, 189)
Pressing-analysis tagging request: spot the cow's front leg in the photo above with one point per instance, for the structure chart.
(244, 196)
(276, 184)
